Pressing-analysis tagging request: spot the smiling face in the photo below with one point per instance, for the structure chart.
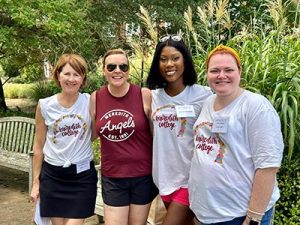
(70, 80)
(223, 74)
(116, 77)
(171, 65)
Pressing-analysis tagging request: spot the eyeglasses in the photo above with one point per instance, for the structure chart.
(174, 37)
(112, 67)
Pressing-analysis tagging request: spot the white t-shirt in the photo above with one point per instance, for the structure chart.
(68, 139)
(173, 135)
(247, 136)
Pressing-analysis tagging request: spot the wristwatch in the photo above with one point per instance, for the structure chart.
(254, 222)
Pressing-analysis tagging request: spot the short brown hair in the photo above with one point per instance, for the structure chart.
(116, 51)
(77, 62)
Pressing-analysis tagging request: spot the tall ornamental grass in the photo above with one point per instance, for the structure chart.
(270, 53)
(17, 90)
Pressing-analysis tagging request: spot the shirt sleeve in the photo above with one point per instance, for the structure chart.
(43, 107)
(264, 135)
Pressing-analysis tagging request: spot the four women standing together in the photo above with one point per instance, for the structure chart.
(225, 149)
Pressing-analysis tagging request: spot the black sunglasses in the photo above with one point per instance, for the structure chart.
(174, 37)
(112, 67)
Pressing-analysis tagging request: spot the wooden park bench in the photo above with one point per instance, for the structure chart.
(16, 151)
(16, 144)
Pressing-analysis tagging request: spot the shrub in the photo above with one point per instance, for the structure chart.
(12, 90)
(44, 89)
(94, 82)
(288, 207)
(16, 113)
(30, 74)
(96, 151)
(25, 92)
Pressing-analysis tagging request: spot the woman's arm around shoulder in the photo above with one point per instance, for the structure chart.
(147, 100)
(93, 114)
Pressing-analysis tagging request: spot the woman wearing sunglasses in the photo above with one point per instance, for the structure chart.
(176, 104)
(120, 111)
(238, 149)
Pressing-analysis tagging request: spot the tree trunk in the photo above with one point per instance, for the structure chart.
(3, 106)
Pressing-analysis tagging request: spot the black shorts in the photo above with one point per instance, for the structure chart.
(126, 191)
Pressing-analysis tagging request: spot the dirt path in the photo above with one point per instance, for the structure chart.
(15, 207)
(24, 104)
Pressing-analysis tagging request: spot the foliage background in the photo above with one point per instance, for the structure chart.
(266, 34)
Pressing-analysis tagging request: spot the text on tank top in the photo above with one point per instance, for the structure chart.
(126, 141)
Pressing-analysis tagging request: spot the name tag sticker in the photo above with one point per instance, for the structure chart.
(220, 125)
(185, 111)
(82, 166)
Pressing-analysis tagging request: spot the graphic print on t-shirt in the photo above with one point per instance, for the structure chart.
(166, 117)
(210, 144)
(118, 125)
(69, 125)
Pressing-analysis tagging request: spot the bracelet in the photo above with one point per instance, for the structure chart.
(253, 218)
(256, 213)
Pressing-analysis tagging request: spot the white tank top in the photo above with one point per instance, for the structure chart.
(68, 139)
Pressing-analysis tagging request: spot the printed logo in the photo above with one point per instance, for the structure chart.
(166, 121)
(169, 121)
(69, 125)
(207, 144)
(118, 125)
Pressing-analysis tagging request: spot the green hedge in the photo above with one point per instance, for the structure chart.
(288, 207)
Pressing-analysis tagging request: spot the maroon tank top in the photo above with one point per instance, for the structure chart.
(126, 141)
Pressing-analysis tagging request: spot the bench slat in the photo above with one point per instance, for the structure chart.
(10, 136)
(1, 135)
(23, 132)
(24, 146)
(29, 134)
(6, 129)
(13, 144)
(31, 138)
(16, 141)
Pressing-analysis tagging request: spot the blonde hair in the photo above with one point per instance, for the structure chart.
(223, 49)
(76, 62)
(116, 51)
